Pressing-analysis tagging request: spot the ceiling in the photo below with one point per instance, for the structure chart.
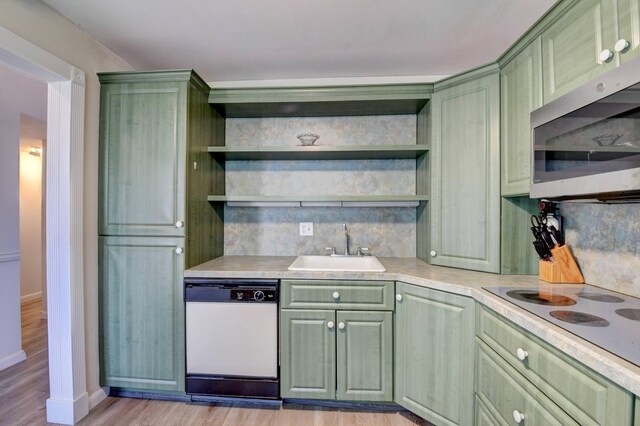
(413, 40)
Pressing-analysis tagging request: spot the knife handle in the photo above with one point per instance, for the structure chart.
(541, 249)
(557, 235)
(546, 237)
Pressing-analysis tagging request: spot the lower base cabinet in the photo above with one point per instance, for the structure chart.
(509, 397)
(483, 416)
(434, 360)
(329, 354)
(518, 372)
(142, 313)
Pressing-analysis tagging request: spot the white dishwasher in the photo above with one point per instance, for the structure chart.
(232, 337)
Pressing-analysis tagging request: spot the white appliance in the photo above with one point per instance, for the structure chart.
(232, 337)
(605, 318)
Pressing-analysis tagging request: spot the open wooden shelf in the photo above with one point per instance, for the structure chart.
(321, 201)
(342, 152)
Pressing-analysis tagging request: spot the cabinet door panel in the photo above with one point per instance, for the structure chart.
(143, 149)
(365, 356)
(570, 47)
(521, 93)
(629, 28)
(142, 313)
(308, 348)
(465, 178)
(434, 334)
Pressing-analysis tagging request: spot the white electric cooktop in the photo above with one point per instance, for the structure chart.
(605, 318)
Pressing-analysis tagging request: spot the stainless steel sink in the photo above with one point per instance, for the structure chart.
(337, 263)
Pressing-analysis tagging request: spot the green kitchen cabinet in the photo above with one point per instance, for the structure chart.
(337, 294)
(509, 397)
(336, 340)
(465, 172)
(143, 158)
(571, 46)
(587, 397)
(637, 417)
(521, 93)
(141, 313)
(483, 416)
(365, 355)
(344, 355)
(434, 355)
(307, 354)
(155, 172)
(628, 14)
(154, 219)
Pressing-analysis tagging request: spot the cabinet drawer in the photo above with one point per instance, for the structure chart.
(330, 294)
(503, 391)
(585, 395)
(482, 414)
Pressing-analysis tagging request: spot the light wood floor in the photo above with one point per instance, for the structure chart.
(24, 389)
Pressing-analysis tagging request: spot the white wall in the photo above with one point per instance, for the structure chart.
(18, 94)
(42, 26)
(31, 279)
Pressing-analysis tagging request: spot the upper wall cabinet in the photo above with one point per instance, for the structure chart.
(465, 170)
(521, 93)
(143, 155)
(155, 171)
(575, 49)
(627, 45)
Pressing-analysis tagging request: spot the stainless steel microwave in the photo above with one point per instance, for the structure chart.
(586, 144)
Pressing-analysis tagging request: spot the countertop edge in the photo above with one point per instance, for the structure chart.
(614, 368)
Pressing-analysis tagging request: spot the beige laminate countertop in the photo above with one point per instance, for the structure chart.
(452, 280)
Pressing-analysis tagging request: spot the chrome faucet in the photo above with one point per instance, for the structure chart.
(346, 240)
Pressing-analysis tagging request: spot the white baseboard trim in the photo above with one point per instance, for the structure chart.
(29, 297)
(98, 396)
(12, 359)
(67, 412)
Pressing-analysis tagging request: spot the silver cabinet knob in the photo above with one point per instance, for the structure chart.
(605, 56)
(179, 224)
(336, 295)
(179, 250)
(341, 325)
(330, 325)
(399, 297)
(621, 45)
(433, 253)
(522, 354)
(518, 416)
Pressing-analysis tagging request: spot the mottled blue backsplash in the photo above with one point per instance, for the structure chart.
(389, 232)
(275, 231)
(605, 240)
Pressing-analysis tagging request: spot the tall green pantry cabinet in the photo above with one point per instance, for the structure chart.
(154, 220)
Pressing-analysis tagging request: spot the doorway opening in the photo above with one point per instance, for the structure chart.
(33, 285)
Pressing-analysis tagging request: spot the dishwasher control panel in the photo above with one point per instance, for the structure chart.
(252, 295)
(230, 291)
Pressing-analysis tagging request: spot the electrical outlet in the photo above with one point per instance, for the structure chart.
(306, 229)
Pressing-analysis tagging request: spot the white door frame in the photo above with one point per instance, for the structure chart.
(68, 401)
